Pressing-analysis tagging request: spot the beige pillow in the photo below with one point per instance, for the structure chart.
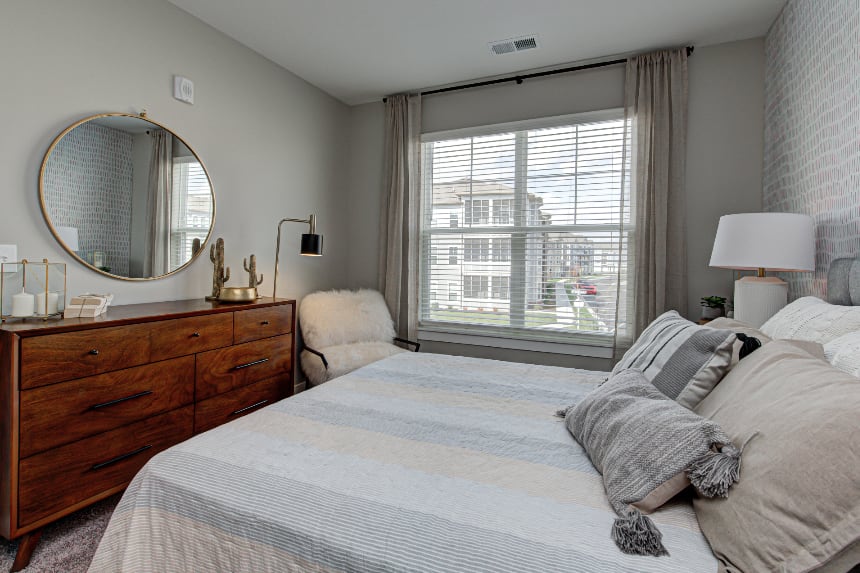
(796, 506)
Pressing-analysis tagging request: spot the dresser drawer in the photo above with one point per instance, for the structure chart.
(219, 371)
(236, 403)
(184, 336)
(62, 413)
(57, 479)
(262, 323)
(58, 357)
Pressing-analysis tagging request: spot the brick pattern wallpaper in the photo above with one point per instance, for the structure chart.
(88, 185)
(812, 128)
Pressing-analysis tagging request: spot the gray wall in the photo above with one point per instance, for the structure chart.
(724, 157)
(812, 153)
(271, 141)
(724, 154)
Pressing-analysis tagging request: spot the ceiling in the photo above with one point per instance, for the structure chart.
(360, 50)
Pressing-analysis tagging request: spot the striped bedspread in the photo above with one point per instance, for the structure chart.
(419, 463)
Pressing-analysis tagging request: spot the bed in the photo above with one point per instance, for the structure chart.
(419, 462)
(434, 463)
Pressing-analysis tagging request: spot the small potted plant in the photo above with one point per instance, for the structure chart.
(713, 307)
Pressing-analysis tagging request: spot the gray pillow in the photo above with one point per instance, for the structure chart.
(641, 442)
(683, 360)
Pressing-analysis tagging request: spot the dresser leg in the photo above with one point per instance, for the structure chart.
(25, 550)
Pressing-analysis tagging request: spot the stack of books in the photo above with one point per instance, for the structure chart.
(87, 305)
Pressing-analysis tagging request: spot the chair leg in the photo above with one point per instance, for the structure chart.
(25, 550)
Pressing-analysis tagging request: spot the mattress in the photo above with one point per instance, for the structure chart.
(418, 462)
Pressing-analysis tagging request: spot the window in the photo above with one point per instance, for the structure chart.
(477, 212)
(501, 288)
(546, 207)
(476, 250)
(502, 211)
(475, 286)
(454, 220)
(190, 210)
(501, 250)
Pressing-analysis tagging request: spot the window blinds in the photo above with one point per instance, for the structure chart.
(525, 230)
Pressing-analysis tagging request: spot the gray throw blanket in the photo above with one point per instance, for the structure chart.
(639, 439)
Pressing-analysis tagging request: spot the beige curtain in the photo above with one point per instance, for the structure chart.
(158, 203)
(399, 234)
(656, 114)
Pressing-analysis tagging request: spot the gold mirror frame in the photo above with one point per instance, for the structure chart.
(77, 257)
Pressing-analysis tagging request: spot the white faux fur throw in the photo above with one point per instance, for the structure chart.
(352, 329)
(334, 317)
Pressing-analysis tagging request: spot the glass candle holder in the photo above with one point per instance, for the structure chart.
(32, 290)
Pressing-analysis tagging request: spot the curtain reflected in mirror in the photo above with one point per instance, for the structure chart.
(138, 196)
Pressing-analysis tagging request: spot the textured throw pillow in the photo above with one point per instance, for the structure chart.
(797, 507)
(683, 360)
(738, 327)
(810, 318)
(648, 448)
(844, 353)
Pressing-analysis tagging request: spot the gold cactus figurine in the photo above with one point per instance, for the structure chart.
(219, 275)
(253, 281)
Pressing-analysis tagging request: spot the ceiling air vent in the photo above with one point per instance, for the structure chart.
(514, 45)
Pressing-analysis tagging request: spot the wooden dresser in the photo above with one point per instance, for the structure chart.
(86, 402)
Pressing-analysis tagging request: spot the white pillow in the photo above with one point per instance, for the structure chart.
(844, 353)
(810, 318)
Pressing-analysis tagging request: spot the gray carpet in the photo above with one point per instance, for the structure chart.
(68, 545)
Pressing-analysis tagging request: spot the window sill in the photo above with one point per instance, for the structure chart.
(552, 347)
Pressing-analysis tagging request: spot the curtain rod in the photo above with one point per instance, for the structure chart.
(520, 78)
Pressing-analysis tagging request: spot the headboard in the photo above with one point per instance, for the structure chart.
(843, 282)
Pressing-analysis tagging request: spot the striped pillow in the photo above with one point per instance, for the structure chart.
(684, 361)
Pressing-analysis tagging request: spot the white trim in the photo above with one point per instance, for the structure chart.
(552, 347)
(537, 123)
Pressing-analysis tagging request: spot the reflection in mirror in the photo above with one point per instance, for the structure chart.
(137, 197)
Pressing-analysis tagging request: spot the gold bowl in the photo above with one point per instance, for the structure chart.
(237, 294)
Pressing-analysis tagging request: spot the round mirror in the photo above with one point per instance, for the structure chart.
(126, 196)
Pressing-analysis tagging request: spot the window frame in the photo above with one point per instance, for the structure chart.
(579, 343)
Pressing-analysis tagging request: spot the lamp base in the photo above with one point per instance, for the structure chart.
(759, 298)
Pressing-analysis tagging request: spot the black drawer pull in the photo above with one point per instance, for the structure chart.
(249, 364)
(118, 400)
(251, 407)
(94, 352)
(120, 458)
(265, 323)
(195, 335)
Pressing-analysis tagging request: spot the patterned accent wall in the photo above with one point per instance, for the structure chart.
(812, 128)
(88, 185)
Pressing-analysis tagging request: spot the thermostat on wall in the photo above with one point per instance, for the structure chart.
(183, 89)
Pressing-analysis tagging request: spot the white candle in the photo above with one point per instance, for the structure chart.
(52, 299)
(23, 304)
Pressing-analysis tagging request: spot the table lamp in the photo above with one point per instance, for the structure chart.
(763, 242)
(312, 244)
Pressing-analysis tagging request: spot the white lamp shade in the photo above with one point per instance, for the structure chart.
(69, 236)
(772, 241)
